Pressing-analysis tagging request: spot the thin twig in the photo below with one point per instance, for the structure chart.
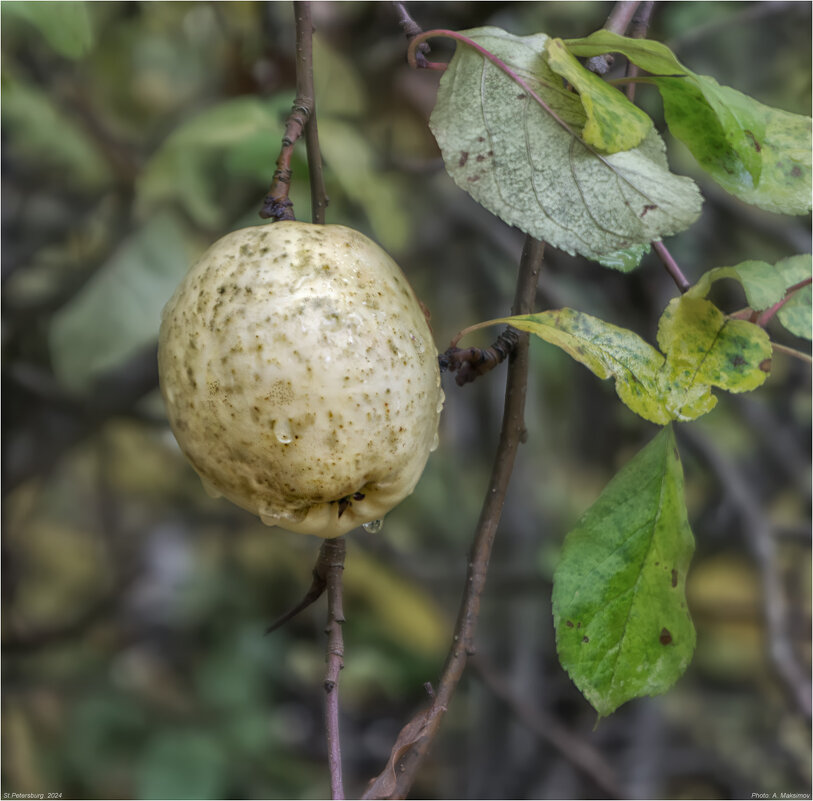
(416, 737)
(302, 119)
(314, 592)
(618, 21)
(576, 750)
(759, 536)
(671, 266)
(766, 316)
(305, 88)
(411, 30)
(792, 352)
(638, 30)
(332, 553)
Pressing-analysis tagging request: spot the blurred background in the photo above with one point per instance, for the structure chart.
(134, 659)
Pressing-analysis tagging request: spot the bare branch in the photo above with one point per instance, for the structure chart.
(618, 21)
(672, 266)
(302, 119)
(577, 751)
(759, 536)
(332, 555)
(416, 737)
(638, 30)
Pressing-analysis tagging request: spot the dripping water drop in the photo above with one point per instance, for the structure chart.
(374, 526)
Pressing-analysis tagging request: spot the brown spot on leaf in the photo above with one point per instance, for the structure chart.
(569, 624)
(666, 637)
(480, 139)
(481, 157)
(648, 207)
(737, 361)
(464, 157)
(796, 171)
(473, 178)
(674, 577)
(585, 638)
(521, 97)
(765, 365)
(753, 139)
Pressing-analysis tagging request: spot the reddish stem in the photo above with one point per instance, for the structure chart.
(768, 314)
(488, 56)
(671, 266)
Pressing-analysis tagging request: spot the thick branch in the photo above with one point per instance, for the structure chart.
(416, 737)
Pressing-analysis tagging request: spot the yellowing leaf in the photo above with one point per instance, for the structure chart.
(607, 351)
(613, 123)
(704, 348)
(701, 349)
(758, 153)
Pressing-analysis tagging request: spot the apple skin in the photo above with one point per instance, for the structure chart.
(300, 376)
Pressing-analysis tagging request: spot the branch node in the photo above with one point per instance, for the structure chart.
(471, 363)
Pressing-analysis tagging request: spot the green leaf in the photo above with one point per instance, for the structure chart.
(619, 603)
(765, 285)
(613, 123)
(42, 134)
(352, 160)
(795, 314)
(65, 25)
(757, 153)
(183, 764)
(704, 348)
(607, 351)
(119, 309)
(338, 85)
(516, 160)
(185, 167)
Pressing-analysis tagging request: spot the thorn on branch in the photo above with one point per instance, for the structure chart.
(471, 363)
(315, 591)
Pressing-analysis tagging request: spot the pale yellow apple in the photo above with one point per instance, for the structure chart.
(300, 376)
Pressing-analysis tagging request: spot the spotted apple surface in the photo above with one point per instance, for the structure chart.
(300, 376)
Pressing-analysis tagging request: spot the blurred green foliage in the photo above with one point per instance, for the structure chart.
(134, 606)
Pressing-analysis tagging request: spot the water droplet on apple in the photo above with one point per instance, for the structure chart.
(374, 526)
(282, 431)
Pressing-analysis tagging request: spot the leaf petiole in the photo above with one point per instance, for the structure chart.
(497, 62)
